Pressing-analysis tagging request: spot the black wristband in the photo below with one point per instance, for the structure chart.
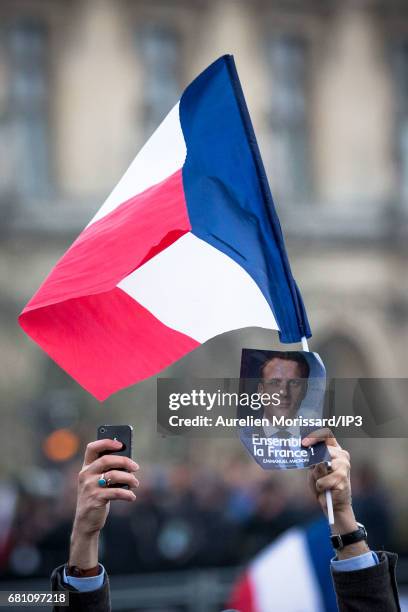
(340, 541)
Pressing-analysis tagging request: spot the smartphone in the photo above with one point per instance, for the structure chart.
(123, 433)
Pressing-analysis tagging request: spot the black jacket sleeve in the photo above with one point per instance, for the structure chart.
(95, 601)
(369, 589)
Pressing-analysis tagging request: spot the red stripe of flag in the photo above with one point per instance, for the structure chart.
(111, 248)
(96, 332)
(106, 341)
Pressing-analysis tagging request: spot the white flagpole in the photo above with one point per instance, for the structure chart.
(329, 500)
(305, 345)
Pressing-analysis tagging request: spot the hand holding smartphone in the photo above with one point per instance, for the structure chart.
(122, 433)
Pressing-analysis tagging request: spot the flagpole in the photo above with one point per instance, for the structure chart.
(305, 345)
(329, 499)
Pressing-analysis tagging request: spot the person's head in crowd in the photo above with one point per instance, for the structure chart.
(284, 376)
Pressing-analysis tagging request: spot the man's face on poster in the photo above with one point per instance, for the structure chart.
(287, 380)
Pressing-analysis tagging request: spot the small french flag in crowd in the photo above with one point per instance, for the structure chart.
(292, 574)
(187, 246)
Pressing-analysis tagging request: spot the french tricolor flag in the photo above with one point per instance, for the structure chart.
(187, 246)
(292, 574)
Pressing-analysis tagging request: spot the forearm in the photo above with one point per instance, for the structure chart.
(345, 522)
(83, 548)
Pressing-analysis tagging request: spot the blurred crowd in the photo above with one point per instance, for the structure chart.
(186, 516)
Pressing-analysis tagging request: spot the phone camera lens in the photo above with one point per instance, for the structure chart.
(102, 430)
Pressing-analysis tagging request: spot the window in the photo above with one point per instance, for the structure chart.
(400, 60)
(26, 120)
(160, 54)
(288, 156)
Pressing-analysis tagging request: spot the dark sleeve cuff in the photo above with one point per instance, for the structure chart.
(97, 601)
(371, 588)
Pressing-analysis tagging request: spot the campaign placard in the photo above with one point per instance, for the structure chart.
(290, 387)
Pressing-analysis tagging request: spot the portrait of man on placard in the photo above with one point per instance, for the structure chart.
(286, 394)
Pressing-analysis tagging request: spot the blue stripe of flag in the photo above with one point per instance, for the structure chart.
(227, 192)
